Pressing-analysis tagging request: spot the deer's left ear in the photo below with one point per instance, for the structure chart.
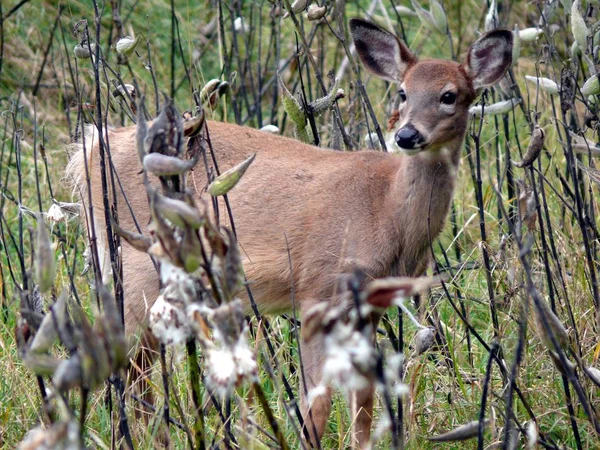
(380, 51)
(489, 58)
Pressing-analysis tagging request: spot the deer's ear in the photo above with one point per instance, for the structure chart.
(489, 58)
(380, 51)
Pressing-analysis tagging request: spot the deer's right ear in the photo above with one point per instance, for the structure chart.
(380, 51)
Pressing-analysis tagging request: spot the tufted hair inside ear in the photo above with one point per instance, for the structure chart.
(380, 51)
(489, 58)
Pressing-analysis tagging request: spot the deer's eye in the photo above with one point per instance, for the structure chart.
(402, 95)
(449, 98)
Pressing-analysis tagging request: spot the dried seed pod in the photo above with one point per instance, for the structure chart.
(424, 339)
(47, 332)
(516, 49)
(316, 12)
(126, 45)
(82, 50)
(461, 433)
(192, 126)
(424, 16)
(591, 86)
(239, 24)
(68, 374)
(541, 310)
(405, 11)
(439, 16)
(491, 18)
(169, 323)
(138, 241)
(270, 129)
(209, 88)
(126, 91)
(531, 435)
(111, 331)
(45, 265)
(536, 144)
(191, 250)
(141, 130)
(593, 374)
(227, 180)
(164, 166)
(545, 84)
(502, 107)
(527, 205)
(297, 6)
(559, 365)
(578, 26)
(530, 34)
(177, 212)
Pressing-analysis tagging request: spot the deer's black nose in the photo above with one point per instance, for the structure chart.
(408, 137)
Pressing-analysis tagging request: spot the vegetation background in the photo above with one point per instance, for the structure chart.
(518, 256)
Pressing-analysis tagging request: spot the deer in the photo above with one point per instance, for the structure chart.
(333, 211)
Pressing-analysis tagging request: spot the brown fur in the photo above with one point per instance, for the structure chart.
(338, 210)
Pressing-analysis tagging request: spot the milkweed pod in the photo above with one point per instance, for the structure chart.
(126, 45)
(227, 180)
(530, 34)
(591, 86)
(578, 26)
(545, 84)
(516, 49)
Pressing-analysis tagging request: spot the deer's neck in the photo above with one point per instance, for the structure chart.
(422, 195)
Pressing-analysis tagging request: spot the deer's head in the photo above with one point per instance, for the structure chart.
(435, 94)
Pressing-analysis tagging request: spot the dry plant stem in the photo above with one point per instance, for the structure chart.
(225, 59)
(264, 323)
(47, 51)
(194, 377)
(270, 417)
(569, 155)
(484, 394)
(123, 425)
(1, 39)
(555, 257)
(537, 301)
(165, 380)
(460, 298)
(361, 87)
(476, 176)
(318, 75)
(551, 290)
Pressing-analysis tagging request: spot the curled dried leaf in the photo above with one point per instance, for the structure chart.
(382, 292)
(138, 241)
(536, 144)
(193, 126)
(461, 433)
(45, 265)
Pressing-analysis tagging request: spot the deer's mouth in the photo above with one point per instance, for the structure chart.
(413, 150)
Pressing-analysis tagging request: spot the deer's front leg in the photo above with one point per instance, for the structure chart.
(313, 359)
